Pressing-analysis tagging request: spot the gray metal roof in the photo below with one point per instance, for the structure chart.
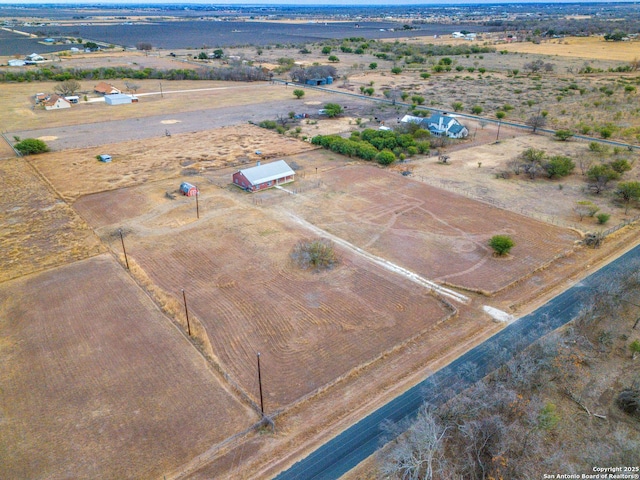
(267, 172)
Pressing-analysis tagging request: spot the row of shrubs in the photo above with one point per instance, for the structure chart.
(383, 146)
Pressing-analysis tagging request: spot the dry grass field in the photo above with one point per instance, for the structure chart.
(136, 162)
(311, 328)
(97, 383)
(588, 48)
(179, 96)
(37, 229)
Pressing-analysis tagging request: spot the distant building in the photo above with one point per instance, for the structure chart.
(439, 125)
(56, 102)
(265, 176)
(16, 63)
(33, 59)
(106, 89)
(119, 99)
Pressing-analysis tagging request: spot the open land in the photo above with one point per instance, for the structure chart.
(333, 344)
(112, 389)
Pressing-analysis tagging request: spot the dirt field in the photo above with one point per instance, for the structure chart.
(310, 328)
(97, 383)
(162, 157)
(416, 226)
(37, 230)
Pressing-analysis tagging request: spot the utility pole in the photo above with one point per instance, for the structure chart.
(161, 94)
(126, 260)
(260, 386)
(186, 312)
(197, 205)
(498, 135)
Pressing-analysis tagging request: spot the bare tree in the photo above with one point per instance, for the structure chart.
(133, 87)
(537, 121)
(67, 87)
(420, 452)
(144, 46)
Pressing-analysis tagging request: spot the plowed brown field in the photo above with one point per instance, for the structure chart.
(440, 235)
(97, 383)
(311, 328)
(37, 229)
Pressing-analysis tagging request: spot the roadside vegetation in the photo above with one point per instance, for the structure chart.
(546, 410)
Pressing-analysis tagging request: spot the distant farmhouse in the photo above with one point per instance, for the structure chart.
(34, 59)
(439, 125)
(265, 176)
(56, 102)
(106, 89)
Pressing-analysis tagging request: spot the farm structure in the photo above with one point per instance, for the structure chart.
(188, 189)
(56, 102)
(106, 89)
(119, 99)
(265, 176)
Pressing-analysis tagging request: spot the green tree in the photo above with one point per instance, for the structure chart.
(564, 135)
(298, 93)
(417, 99)
(333, 59)
(332, 110)
(425, 75)
(559, 166)
(385, 157)
(326, 50)
(31, 146)
(600, 175)
(396, 70)
(500, 114)
(585, 208)
(373, 65)
(476, 109)
(548, 418)
(621, 165)
(628, 193)
(603, 218)
(457, 106)
(218, 53)
(92, 46)
(501, 244)
(203, 56)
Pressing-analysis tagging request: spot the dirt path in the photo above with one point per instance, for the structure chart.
(392, 267)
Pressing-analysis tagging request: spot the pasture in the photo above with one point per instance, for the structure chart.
(37, 229)
(97, 383)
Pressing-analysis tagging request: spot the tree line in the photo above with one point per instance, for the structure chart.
(240, 73)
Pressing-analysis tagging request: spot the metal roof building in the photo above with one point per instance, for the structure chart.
(265, 176)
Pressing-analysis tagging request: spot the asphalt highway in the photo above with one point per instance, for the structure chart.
(352, 446)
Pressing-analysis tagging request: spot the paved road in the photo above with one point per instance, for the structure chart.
(345, 451)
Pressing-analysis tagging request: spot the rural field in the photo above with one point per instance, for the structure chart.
(311, 328)
(417, 226)
(107, 374)
(99, 348)
(38, 230)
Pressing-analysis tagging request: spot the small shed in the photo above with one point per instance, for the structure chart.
(188, 189)
(104, 158)
(117, 99)
(265, 176)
